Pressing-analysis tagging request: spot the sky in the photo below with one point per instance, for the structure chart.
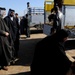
(20, 5)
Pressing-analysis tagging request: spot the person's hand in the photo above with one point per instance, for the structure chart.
(6, 34)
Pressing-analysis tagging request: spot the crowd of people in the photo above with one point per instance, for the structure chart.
(10, 31)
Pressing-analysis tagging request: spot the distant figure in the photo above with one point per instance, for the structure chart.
(55, 18)
(22, 25)
(26, 24)
(52, 21)
(50, 57)
(17, 36)
(60, 15)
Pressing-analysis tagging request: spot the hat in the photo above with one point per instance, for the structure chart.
(16, 13)
(1, 8)
(12, 10)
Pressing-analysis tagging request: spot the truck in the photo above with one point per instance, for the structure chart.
(36, 17)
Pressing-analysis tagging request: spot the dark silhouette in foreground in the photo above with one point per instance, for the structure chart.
(50, 57)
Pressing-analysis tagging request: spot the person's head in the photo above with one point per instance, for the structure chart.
(56, 9)
(16, 14)
(61, 35)
(11, 12)
(2, 11)
(26, 15)
(52, 10)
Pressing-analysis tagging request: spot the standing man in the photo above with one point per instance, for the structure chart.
(12, 25)
(17, 36)
(27, 27)
(5, 45)
(55, 18)
(60, 17)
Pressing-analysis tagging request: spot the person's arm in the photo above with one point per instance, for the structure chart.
(3, 33)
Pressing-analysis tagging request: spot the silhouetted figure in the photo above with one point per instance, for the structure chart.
(22, 25)
(54, 19)
(27, 28)
(17, 36)
(50, 57)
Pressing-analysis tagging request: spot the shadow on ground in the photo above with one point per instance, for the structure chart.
(27, 47)
(26, 51)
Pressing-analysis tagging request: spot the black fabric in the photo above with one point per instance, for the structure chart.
(12, 26)
(49, 57)
(56, 21)
(5, 47)
(26, 27)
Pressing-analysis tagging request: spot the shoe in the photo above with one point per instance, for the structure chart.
(16, 59)
(4, 68)
(28, 36)
(12, 62)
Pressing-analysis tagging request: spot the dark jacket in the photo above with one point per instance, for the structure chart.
(12, 26)
(49, 56)
(56, 21)
(5, 46)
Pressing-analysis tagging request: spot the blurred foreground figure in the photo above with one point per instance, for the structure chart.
(50, 57)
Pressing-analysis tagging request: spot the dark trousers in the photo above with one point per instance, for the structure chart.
(28, 31)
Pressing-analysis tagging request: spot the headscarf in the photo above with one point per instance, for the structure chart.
(2, 11)
(10, 10)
